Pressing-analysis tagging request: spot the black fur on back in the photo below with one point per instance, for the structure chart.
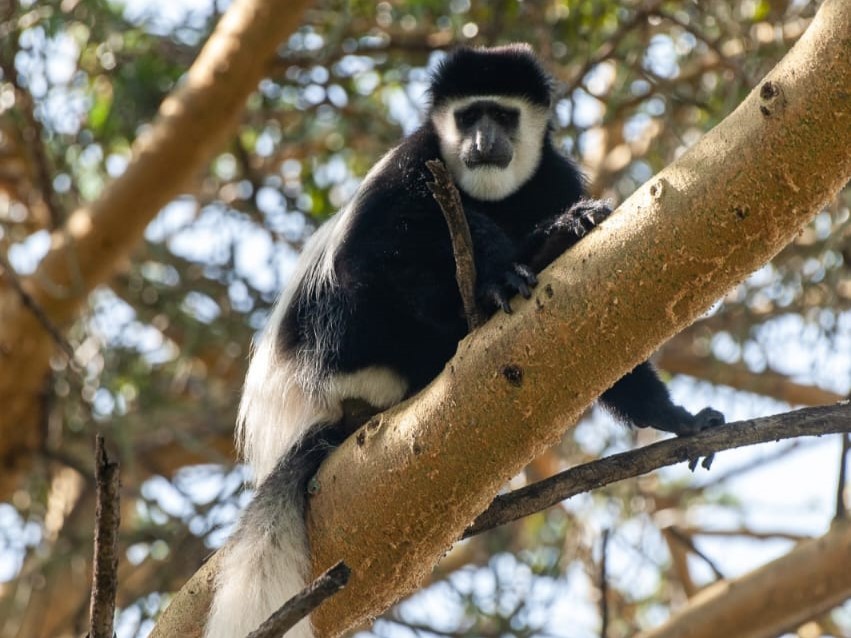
(511, 70)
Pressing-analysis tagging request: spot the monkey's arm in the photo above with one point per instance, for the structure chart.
(501, 272)
(641, 399)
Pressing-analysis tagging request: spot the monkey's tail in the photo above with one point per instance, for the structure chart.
(267, 560)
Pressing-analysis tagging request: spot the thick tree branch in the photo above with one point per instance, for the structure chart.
(773, 599)
(186, 613)
(769, 383)
(192, 124)
(533, 498)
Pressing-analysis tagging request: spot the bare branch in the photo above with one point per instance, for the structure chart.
(685, 539)
(583, 478)
(105, 564)
(841, 509)
(604, 584)
(38, 312)
(446, 194)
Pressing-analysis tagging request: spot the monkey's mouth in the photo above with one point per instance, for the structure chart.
(496, 161)
(486, 149)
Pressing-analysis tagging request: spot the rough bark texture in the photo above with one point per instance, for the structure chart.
(777, 597)
(192, 124)
(105, 563)
(395, 497)
(185, 615)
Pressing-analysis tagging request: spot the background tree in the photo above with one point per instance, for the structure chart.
(159, 347)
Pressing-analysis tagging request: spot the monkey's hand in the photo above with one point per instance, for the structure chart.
(553, 236)
(495, 288)
(689, 423)
(499, 273)
(585, 214)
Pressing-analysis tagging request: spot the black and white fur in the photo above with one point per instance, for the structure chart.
(373, 311)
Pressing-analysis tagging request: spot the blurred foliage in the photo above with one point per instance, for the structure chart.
(164, 345)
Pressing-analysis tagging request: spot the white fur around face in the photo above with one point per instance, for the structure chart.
(491, 183)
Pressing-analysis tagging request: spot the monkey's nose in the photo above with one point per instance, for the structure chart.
(489, 147)
(483, 144)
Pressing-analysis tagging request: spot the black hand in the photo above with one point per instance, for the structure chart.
(496, 292)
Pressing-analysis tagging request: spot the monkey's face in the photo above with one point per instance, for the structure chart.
(492, 145)
(487, 131)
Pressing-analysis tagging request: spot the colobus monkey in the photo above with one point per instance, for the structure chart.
(373, 311)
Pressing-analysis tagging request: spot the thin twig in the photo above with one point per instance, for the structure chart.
(506, 508)
(604, 585)
(301, 605)
(608, 48)
(841, 509)
(107, 520)
(33, 130)
(688, 541)
(32, 305)
(446, 194)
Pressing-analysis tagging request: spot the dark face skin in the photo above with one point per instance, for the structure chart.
(488, 131)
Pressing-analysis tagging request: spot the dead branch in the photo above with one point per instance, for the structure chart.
(446, 194)
(509, 507)
(105, 564)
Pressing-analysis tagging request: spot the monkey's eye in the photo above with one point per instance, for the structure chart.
(467, 118)
(507, 118)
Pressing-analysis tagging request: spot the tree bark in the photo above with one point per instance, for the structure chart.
(395, 497)
(777, 597)
(192, 124)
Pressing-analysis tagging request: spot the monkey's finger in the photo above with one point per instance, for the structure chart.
(506, 306)
(515, 282)
(498, 297)
(527, 274)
